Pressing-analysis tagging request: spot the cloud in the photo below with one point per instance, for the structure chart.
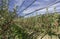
(51, 8)
(30, 9)
(18, 2)
(38, 4)
(47, 0)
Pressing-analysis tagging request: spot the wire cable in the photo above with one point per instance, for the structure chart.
(41, 8)
(27, 7)
(22, 4)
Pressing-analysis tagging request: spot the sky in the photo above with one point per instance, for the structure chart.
(36, 5)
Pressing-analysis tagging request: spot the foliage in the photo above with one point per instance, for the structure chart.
(46, 23)
(14, 27)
